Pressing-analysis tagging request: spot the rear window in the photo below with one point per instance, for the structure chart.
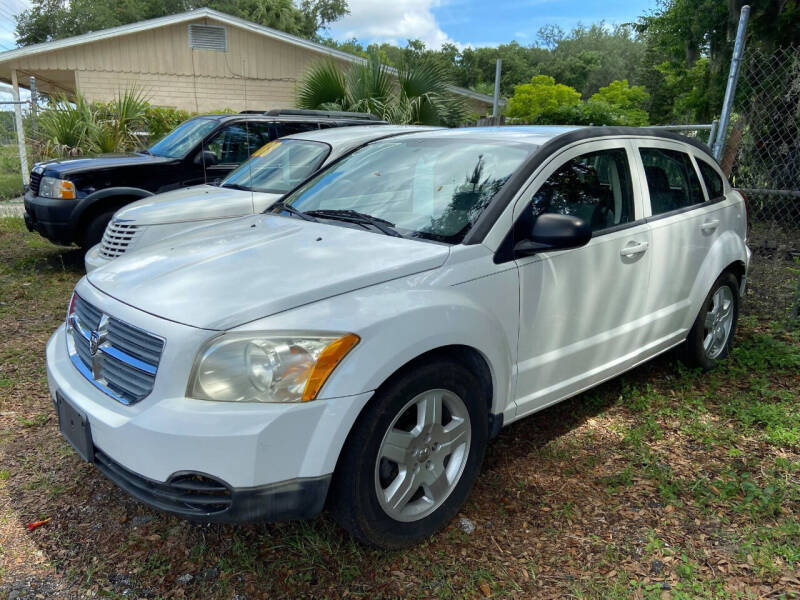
(671, 180)
(714, 184)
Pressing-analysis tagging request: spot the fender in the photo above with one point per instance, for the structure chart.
(407, 323)
(727, 248)
(95, 197)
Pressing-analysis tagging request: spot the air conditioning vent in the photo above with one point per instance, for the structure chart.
(208, 37)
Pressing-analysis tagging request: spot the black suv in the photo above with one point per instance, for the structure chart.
(72, 200)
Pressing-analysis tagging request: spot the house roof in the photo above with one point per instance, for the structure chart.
(193, 15)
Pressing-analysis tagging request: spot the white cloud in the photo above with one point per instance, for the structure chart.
(393, 21)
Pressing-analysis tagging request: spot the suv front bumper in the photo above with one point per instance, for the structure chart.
(50, 217)
(264, 461)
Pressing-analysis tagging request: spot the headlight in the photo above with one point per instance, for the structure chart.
(255, 367)
(51, 187)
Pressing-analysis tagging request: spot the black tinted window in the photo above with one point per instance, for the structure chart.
(235, 143)
(289, 128)
(714, 185)
(595, 187)
(671, 179)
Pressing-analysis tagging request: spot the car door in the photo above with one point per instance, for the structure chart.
(581, 310)
(684, 225)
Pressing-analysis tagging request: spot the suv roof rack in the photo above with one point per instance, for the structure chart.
(328, 114)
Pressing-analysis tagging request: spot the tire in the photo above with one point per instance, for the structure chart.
(95, 229)
(700, 350)
(443, 474)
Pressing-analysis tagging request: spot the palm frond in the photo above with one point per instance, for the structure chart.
(323, 84)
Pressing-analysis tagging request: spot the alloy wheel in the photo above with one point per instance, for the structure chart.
(422, 455)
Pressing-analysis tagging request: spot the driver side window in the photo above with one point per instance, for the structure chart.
(595, 187)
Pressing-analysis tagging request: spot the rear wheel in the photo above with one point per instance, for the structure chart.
(711, 336)
(412, 457)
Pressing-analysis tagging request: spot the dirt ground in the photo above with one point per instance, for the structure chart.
(663, 483)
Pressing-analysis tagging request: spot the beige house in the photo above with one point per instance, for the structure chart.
(200, 60)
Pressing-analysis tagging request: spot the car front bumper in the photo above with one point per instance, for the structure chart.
(94, 259)
(268, 461)
(50, 217)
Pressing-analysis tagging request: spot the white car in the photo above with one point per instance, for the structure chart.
(270, 173)
(360, 343)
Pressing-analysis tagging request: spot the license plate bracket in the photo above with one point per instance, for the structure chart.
(75, 428)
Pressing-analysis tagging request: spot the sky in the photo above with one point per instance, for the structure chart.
(462, 22)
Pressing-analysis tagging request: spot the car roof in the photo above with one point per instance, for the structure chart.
(541, 134)
(342, 139)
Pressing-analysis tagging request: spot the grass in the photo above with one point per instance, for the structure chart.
(663, 483)
(10, 177)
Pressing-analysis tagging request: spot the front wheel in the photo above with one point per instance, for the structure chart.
(412, 457)
(95, 229)
(711, 337)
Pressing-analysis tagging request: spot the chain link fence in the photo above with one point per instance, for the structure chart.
(763, 150)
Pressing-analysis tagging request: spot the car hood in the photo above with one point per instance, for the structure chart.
(198, 203)
(71, 166)
(256, 266)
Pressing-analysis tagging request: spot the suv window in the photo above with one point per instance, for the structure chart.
(282, 129)
(235, 143)
(595, 187)
(671, 179)
(714, 185)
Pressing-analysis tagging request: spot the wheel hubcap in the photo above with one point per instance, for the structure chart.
(718, 322)
(422, 455)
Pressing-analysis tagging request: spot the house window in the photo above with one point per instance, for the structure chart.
(208, 37)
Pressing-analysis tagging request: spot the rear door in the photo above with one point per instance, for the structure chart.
(581, 310)
(684, 226)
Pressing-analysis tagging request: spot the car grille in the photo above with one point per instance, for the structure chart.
(36, 179)
(190, 494)
(126, 358)
(117, 238)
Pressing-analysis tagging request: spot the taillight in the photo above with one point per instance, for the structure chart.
(746, 207)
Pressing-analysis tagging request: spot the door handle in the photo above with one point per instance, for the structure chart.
(634, 249)
(710, 226)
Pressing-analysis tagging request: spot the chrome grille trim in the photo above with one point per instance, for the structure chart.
(117, 238)
(126, 358)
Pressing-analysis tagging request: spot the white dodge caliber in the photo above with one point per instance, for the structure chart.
(358, 344)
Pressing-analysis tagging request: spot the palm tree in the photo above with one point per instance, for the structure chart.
(418, 93)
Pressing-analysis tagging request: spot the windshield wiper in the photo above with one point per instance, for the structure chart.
(353, 216)
(292, 211)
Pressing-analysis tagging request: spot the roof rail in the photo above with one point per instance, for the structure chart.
(330, 114)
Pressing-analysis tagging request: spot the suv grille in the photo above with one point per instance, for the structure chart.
(117, 237)
(36, 179)
(125, 358)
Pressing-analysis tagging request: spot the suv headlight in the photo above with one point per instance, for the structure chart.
(252, 367)
(51, 187)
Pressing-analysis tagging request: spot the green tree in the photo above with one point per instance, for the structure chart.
(49, 20)
(542, 96)
(419, 92)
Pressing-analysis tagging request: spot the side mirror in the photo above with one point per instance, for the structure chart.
(206, 157)
(554, 232)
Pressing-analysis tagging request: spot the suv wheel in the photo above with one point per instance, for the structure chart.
(412, 457)
(711, 336)
(95, 229)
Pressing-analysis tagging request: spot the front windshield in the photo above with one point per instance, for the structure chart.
(427, 188)
(183, 138)
(279, 167)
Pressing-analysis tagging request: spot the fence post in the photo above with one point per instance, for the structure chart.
(733, 78)
(23, 154)
(496, 103)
